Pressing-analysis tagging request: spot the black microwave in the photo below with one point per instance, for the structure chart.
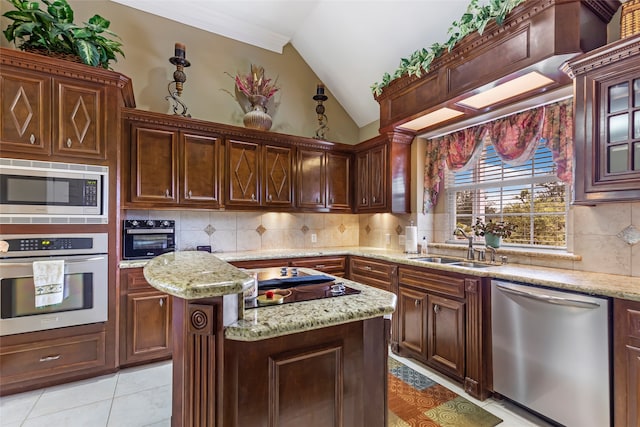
(53, 190)
(145, 239)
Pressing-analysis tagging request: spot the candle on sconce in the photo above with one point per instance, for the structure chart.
(320, 89)
(181, 50)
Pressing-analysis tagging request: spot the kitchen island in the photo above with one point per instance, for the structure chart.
(311, 363)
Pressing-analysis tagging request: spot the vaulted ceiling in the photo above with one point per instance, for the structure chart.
(349, 44)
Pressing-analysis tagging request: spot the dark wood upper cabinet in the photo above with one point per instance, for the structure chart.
(278, 176)
(80, 112)
(607, 123)
(243, 173)
(323, 180)
(60, 109)
(383, 168)
(170, 166)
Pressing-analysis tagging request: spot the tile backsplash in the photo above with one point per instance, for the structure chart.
(227, 231)
(605, 237)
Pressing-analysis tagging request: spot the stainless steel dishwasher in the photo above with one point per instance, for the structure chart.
(551, 352)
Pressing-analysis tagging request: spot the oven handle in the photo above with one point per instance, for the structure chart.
(151, 231)
(75, 261)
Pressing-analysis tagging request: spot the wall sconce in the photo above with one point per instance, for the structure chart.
(320, 97)
(179, 77)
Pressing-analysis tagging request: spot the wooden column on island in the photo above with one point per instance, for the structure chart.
(316, 363)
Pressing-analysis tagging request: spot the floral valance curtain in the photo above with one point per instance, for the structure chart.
(515, 139)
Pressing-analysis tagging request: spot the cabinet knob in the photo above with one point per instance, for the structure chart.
(364, 200)
(368, 268)
(69, 142)
(373, 199)
(50, 358)
(416, 303)
(319, 266)
(436, 309)
(166, 193)
(32, 138)
(332, 200)
(317, 199)
(190, 194)
(270, 197)
(161, 302)
(253, 197)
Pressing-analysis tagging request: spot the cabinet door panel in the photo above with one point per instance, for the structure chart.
(80, 117)
(378, 173)
(200, 170)
(278, 188)
(243, 173)
(362, 170)
(148, 325)
(413, 321)
(338, 172)
(153, 165)
(311, 179)
(446, 334)
(25, 112)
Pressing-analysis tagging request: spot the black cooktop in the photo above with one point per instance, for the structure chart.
(287, 285)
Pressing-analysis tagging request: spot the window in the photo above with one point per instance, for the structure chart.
(528, 195)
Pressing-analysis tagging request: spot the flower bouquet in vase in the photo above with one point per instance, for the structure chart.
(253, 91)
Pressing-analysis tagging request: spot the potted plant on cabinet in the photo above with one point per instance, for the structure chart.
(493, 231)
(52, 32)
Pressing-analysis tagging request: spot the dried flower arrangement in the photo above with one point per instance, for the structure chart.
(500, 228)
(253, 88)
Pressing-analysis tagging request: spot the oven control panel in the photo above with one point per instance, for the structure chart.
(149, 224)
(49, 244)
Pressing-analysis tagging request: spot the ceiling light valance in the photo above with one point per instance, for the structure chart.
(504, 65)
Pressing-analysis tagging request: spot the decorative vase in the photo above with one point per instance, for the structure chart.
(492, 240)
(257, 117)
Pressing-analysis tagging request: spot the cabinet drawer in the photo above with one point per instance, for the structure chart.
(332, 265)
(133, 280)
(373, 273)
(47, 358)
(451, 286)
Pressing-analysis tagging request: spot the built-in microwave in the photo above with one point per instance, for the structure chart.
(53, 192)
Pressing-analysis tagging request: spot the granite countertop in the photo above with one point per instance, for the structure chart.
(625, 287)
(285, 319)
(194, 275)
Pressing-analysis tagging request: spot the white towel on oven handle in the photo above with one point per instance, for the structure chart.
(48, 279)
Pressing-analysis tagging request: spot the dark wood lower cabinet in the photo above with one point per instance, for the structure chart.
(446, 334)
(145, 320)
(626, 368)
(334, 376)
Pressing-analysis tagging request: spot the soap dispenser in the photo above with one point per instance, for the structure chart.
(423, 248)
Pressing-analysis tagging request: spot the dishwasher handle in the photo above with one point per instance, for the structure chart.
(549, 299)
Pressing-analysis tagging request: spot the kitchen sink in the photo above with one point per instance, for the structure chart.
(439, 260)
(470, 264)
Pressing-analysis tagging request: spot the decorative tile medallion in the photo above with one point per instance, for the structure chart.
(367, 229)
(630, 235)
(342, 228)
(209, 229)
(304, 229)
(261, 229)
(399, 229)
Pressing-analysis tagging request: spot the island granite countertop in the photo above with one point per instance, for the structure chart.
(193, 275)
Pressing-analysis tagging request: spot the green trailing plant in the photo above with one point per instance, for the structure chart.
(474, 19)
(52, 30)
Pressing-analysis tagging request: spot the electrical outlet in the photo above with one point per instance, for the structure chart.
(314, 238)
(401, 240)
(387, 239)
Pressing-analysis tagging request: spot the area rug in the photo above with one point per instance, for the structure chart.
(417, 400)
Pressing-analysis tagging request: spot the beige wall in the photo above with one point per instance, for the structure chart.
(149, 42)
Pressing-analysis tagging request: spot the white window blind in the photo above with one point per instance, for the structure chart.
(528, 195)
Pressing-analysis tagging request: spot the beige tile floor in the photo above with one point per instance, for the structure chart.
(141, 396)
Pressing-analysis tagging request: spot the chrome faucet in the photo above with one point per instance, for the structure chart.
(470, 254)
(493, 252)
